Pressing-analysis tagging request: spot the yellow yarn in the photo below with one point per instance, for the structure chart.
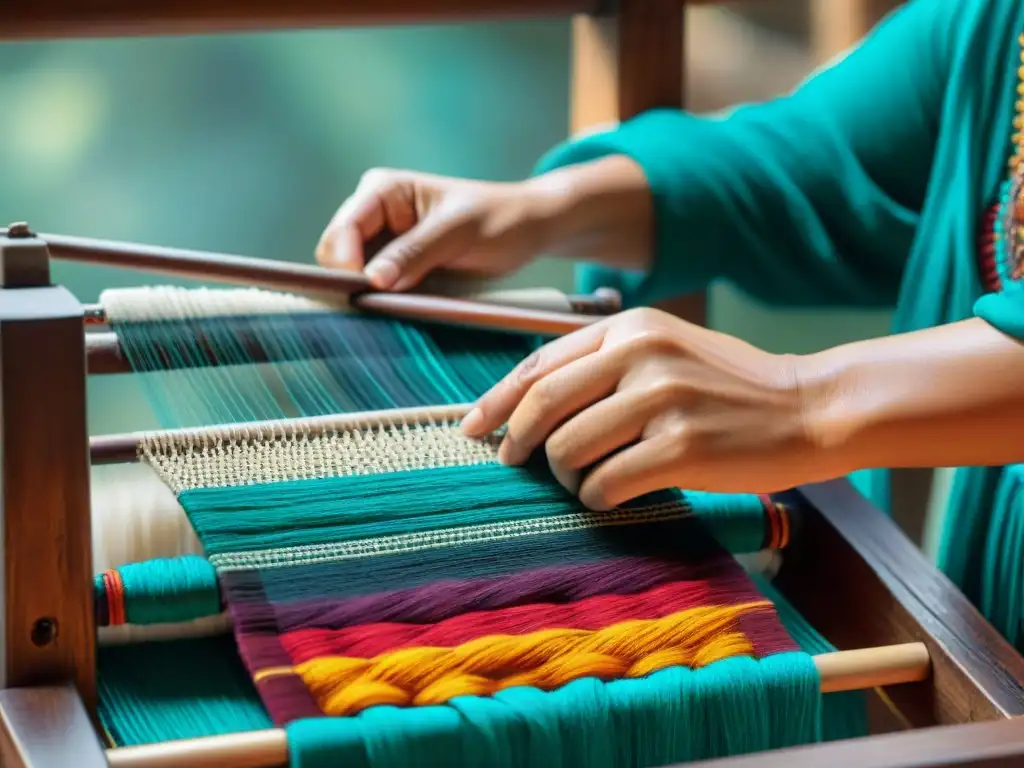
(546, 659)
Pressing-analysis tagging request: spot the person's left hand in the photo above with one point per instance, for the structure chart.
(644, 401)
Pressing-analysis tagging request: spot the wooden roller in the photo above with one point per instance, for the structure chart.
(839, 671)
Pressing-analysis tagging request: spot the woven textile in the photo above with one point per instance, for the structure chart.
(336, 610)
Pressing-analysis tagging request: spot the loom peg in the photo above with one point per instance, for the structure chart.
(840, 671)
(873, 667)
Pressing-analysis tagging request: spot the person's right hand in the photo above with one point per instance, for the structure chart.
(484, 228)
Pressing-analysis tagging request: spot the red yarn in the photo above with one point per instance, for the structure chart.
(369, 640)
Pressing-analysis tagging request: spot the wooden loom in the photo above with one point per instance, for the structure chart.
(903, 627)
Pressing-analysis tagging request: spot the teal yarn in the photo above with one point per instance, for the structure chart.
(338, 509)
(1002, 574)
(730, 707)
(167, 590)
(260, 367)
(176, 689)
(736, 520)
(845, 714)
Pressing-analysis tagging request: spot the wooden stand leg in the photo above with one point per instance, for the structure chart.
(48, 627)
(625, 62)
(836, 25)
(47, 728)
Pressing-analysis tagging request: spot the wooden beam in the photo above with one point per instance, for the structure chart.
(48, 630)
(859, 581)
(837, 25)
(624, 63)
(980, 745)
(47, 728)
(35, 19)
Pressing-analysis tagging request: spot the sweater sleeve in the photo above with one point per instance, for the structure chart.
(1004, 310)
(810, 199)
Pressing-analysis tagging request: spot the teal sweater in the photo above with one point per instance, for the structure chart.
(865, 188)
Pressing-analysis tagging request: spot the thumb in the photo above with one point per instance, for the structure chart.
(437, 240)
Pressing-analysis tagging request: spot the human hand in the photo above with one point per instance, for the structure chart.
(644, 401)
(486, 228)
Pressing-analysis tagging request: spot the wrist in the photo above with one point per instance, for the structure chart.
(595, 211)
(836, 410)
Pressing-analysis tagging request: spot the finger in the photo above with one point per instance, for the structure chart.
(436, 241)
(650, 465)
(378, 202)
(359, 218)
(599, 431)
(497, 404)
(557, 396)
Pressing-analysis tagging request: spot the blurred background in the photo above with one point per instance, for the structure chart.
(247, 143)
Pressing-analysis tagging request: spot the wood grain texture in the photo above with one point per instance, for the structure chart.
(47, 728)
(625, 63)
(48, 632)
(997, 744)
(860, 582)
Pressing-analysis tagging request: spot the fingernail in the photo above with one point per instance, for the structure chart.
(340, 254)
(382, 273)
(472, 422)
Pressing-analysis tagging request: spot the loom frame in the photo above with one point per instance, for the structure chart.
(627, 58)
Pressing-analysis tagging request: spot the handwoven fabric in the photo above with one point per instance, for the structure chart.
(343, 601)
(442, 608)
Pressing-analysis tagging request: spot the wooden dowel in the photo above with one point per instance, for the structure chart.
(873, 667)
(104, 353)
(839, 671)
(122, 449)
(308, 280)
(602, 302)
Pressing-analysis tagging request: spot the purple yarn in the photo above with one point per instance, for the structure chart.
(441, 600)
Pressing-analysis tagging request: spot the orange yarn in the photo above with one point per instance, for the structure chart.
(547, 659)
(115, 597)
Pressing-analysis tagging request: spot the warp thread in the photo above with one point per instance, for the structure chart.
(250, 368)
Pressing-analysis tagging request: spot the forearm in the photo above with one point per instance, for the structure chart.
(809, 199)
(600, 212)
(948, 396)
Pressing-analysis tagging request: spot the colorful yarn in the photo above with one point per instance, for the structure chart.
(434, 602)
(546, 660)
(474, 522)
(160, 591)
(731, 707)
(591, 614)
(398, 565)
